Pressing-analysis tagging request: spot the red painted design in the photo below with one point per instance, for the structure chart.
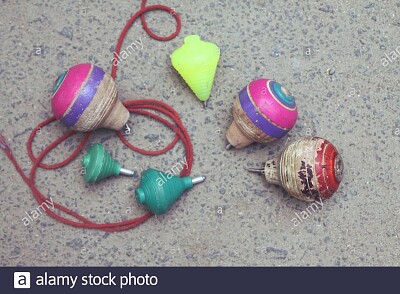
(325, 169)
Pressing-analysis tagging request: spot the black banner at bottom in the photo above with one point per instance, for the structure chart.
(195, 280)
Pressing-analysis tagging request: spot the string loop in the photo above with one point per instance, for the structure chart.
(139, 107)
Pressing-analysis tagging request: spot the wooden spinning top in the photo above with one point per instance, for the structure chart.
(309, 169)
(263, 112)
(85, 98)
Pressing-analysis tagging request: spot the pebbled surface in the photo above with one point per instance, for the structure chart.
(327, 53)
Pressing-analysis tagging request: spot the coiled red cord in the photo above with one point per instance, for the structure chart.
(140, 107)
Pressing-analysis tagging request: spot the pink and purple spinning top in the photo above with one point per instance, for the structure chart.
(269, 106)
(85, 98)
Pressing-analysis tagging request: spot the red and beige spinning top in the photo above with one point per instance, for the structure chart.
(309, 169)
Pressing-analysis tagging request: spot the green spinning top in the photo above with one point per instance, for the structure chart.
(98, 164)
(159, 190)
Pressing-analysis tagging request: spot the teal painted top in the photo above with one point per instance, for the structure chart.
(98, 164)
(158, 191)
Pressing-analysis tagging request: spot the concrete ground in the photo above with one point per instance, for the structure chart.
(329, 54)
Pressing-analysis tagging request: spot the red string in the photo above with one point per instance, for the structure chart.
(139, 107)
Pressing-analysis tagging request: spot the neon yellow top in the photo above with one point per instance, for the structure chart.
(196, 61)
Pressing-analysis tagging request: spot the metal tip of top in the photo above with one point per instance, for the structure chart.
(198, 180)
(258, 170)
(205, 104)
(126, 172)
(229, 146)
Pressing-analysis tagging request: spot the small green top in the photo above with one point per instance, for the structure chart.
(98, 164)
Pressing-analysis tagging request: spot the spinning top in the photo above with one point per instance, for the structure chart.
(158, 190)
(98, 165)
(196, 61)
(85, 98)
(309, 169)
(263, 112)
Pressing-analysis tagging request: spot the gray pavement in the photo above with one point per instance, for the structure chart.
(329, 54)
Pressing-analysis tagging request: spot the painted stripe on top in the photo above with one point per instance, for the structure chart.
(59, 81)
(278, 92)
(325, 169)
(257, 118)
(85, 97)
(270, 106)
(69, 88)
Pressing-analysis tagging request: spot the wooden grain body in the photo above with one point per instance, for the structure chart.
(242, 132)
(105, 110)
